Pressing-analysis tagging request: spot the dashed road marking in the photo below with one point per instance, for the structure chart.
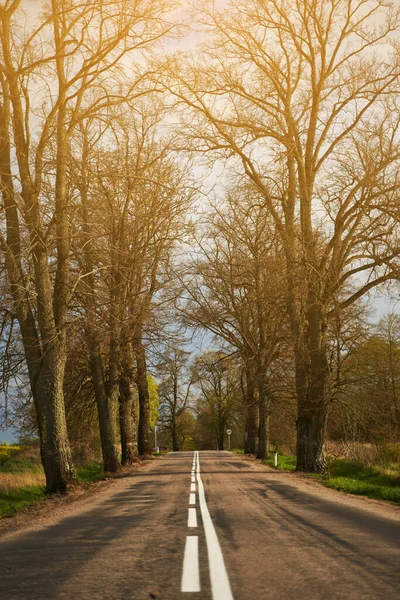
(192, 518)
(192, 487)
(192, 498)
(191, 573)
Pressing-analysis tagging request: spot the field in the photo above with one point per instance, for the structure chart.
(22, 479)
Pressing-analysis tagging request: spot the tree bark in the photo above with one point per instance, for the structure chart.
(264, 412)
(49, 401)
(144, 441)
(251, 414)
(175, 439)
(128, 409)
(127, 423)
(312, 379)
(221, 433)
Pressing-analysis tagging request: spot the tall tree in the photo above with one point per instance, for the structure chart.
(133, 201)
(301, 98)
(57, 67)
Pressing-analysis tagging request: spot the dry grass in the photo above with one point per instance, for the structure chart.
(11, 482)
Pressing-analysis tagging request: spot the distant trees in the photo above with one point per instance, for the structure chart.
(218, 379)
(301, 99)
(234, 290)
(368, 406)
(176, 380)
(133, 205)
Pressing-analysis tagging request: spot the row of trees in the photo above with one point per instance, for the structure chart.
(298, 101)
(301, 99)
(93, 203)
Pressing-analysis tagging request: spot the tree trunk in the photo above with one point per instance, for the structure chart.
(144, 441)
(250, 446)
(264, 411)
(312, 394)
(221, 433)
(105, 409)
(49, 401)
(127, 423)
(175, 440)
(45, 361)
(128, 408)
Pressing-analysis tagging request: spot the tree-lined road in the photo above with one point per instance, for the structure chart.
(279, 537)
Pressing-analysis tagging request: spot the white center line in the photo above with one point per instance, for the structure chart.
(192, 487)
(192, 498)
(220, 586)
(192, 518)
(193, 479)
(190, 574)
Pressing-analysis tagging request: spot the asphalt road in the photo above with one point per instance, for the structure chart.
(252, 534)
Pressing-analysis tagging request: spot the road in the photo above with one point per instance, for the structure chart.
(269, 535)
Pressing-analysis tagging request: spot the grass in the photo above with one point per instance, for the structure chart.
(237, 450)
(353, 477)
(13, 501)
(88, 473)
(285, 463)
(22, 480)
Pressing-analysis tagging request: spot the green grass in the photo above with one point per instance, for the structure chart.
(352, 477)
(237, 450)
(21, 479)
(285, 463)
(13, 501)
(88, 473)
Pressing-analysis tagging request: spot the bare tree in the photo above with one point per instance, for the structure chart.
(301, 98)
(218, 377)
(56, 69)
(174, 389)
(134, 199)
(234, 290)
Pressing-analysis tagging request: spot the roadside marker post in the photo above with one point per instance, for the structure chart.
(156, 448)
(275, 458)
(229, 431)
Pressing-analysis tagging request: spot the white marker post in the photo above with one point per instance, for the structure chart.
(229, 431)
(156, 448)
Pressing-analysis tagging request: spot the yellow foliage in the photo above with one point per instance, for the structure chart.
(7, 452)
(154, 403)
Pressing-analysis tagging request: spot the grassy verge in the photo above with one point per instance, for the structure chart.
(237, 450)
(353, 478)
(285, 463)
(88, 473)
(22, 480)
